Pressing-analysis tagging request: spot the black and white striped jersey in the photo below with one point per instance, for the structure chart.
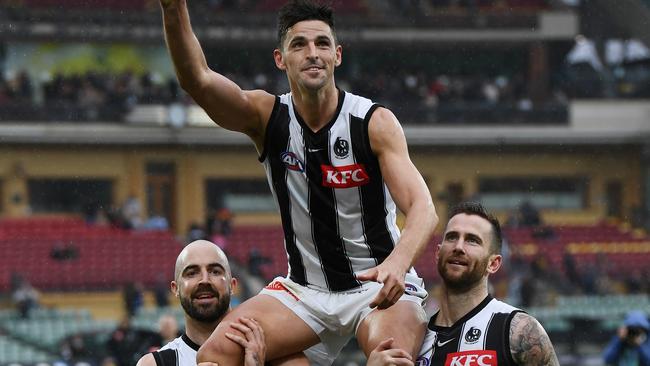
(480, 338)
(337, 213)
(179, 352)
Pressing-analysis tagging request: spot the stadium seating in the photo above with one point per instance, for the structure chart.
(37, 339)
(105, 257)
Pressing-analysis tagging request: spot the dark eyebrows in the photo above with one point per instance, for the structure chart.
(475, 237)
(319, 38)
(196, 266)
(449, 233)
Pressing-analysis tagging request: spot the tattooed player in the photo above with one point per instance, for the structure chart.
(472, 328)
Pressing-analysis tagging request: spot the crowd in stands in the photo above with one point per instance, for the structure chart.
(272, 5)
(103, 97)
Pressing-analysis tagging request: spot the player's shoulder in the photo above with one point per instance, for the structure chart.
(261, 98)
(147, 360)
(502, 307)
(529, 342)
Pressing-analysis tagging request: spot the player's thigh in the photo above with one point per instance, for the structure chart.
(284, 332)
(405, 321)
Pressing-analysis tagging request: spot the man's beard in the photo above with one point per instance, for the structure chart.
(465, 281)
(209, 313)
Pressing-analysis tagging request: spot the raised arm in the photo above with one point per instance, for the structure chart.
(411, 196)
(223, 100)
(529, 343)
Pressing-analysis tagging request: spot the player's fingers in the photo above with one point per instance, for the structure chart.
(380, 298)
(248, 333)
(399, 353)
(402, 362)
(237, 339)
(207, 363)
(385, 344)
(369, 275)
(258, 331)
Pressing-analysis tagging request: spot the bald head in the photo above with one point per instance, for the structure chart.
(200, 251)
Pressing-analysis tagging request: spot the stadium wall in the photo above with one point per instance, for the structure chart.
(442, 167)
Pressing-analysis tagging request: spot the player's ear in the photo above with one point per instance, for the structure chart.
(233, 283)
(279, 59)
(174, 287)
(494, 263)
(339, 55)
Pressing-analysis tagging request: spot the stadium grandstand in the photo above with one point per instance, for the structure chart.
(540, 109)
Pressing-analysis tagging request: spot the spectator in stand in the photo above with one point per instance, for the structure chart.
(195, 232)
(255, 262)
(133, 298)
(123, 344)
(161, 292)
(224, 221)
(167, 329)
(630, 346)
(25, 298)
(131, 212)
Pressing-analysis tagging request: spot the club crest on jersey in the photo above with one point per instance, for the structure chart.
(292, 162)
(346, 176)
(472, 358)
(472, 335)
(341, 148)
(422, 361)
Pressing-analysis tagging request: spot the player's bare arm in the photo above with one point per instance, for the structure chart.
(223, 100)
(412, 197)
(529, 343)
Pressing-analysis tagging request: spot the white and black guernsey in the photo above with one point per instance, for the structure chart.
(337, 214)
(179, 352)
(481, 337)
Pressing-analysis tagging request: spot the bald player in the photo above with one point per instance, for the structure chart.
(203, 283)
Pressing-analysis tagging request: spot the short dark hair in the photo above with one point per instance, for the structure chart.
(299, 10)
(475, 208)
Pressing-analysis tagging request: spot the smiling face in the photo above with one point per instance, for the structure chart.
(203, 283)
(309, 55)
(465, 256)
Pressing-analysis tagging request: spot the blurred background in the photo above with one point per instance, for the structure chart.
(540, 109)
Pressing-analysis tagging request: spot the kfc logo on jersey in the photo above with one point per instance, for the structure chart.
(344, 176)
(292, 162)
(472, 358)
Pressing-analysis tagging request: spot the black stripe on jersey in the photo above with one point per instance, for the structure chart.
(324, 218)
(269, 126)
(168, 357)
(278, 132)
(506, 336)
(373, 200)
(498, 337)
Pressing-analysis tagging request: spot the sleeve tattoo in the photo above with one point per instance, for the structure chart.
(529, 343)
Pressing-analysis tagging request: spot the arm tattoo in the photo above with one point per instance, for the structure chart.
(529, 343)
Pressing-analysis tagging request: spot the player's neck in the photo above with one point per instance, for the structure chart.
(198, 331)
(316, 108)
(456, 304)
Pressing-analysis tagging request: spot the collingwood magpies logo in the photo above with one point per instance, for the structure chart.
(341, 148)
(472, 335)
